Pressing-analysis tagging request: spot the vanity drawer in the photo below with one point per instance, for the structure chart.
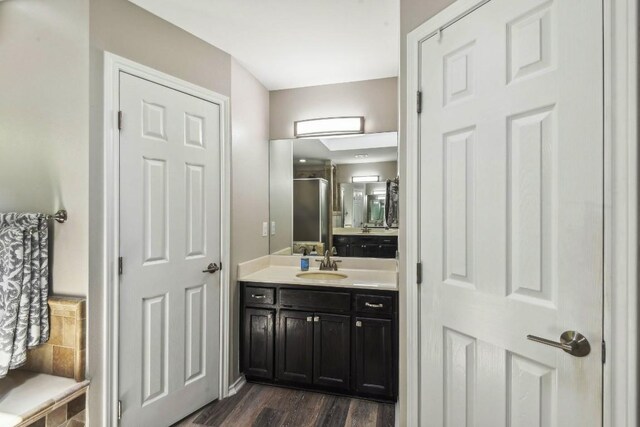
(258, 295)
(315, 300)
(378, 304)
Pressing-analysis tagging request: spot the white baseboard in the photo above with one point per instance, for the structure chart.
(237, 385)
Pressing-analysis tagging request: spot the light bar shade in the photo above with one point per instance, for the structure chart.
(331, 126)
(368, 178)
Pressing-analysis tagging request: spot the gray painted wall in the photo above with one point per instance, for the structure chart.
(385, 170)
(281, 193)
(44, 125)
(376, 100)
(122, 28)
(412, 14)
(250, 186)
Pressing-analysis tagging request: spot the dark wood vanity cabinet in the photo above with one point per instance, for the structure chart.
(332, 339)
(331, 350)
(258, 343)
(366, 246)
(374, 352)
(295, 346)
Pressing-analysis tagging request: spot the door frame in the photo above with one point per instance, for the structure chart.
(621, 173)
(113, 65)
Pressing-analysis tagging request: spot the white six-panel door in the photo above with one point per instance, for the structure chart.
(169, 233)
(511, 167)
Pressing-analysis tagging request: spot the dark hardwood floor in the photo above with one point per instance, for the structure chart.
(259, 405)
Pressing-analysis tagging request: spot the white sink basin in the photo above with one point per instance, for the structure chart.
(321, 275)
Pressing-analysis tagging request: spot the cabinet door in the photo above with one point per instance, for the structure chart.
(295, 346)
(357, 249)
(374, 356)
(387, 251)
(258, 343)
(331, 350)
(370, 250)
(343, 250)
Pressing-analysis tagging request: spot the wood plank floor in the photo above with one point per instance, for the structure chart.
(259, 405)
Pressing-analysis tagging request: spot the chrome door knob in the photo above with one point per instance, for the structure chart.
(571, 342)
(212, 268)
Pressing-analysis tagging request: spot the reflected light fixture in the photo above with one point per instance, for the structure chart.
(303, 160)
(330, 126)
(367, 178)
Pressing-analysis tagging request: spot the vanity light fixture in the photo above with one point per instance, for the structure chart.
(366, 178)
(330, 126)
(379, 192)
(361, 156)
(303, 160)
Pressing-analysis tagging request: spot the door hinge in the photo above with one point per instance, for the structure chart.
(419, 273)
(119, 120)
(419, 102)
(119, 410)
(604, 352)
(120, 265)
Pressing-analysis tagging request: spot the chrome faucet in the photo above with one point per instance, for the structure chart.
(327, 264)
(366, 229)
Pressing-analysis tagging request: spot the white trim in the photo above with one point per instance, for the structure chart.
(621, 208)
(113, 65)
(621, 213)
(237, 385)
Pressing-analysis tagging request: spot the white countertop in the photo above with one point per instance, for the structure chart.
(26, 394)
(357, 231)
(362, 273)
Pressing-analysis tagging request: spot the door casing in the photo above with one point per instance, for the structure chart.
(621, 209)
(113, 65)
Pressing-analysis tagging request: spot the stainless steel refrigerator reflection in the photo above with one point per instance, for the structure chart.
(311, 210)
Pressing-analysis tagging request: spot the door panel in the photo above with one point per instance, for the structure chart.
(511, 201)
(169, 233)
(258, 343)
(374, 356)
(332, 355)
(295, 346)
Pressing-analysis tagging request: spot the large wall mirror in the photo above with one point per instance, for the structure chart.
(338, 194)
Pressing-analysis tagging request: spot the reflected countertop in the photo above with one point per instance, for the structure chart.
(357, 231)
(362, 273)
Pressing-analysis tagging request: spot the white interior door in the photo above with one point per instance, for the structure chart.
(511, 187)
(169, 233)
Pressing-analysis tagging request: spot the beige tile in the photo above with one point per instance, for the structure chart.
(81, 312)
(40, 359)
(56, 331)
(57, 416)
(63, 361)
(79, 367)
(69, 332)
(76, 406)
(42, 422)
(81, 334)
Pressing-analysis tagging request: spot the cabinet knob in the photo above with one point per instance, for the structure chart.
(316, 319)
(358, 324)
(309, 318)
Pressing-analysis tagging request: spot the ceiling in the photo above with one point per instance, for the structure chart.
(370, 148)
(295, 43)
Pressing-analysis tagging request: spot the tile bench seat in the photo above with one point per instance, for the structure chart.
(27, 397)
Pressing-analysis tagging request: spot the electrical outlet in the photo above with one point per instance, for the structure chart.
(265, 229)
(273, 228)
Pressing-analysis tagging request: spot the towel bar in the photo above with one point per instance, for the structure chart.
(60, 216)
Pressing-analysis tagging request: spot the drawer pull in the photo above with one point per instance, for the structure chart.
(373, 305)
(309, 318)
(258, 296)
(316, 318)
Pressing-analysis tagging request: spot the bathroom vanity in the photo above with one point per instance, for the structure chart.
(338, 335)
